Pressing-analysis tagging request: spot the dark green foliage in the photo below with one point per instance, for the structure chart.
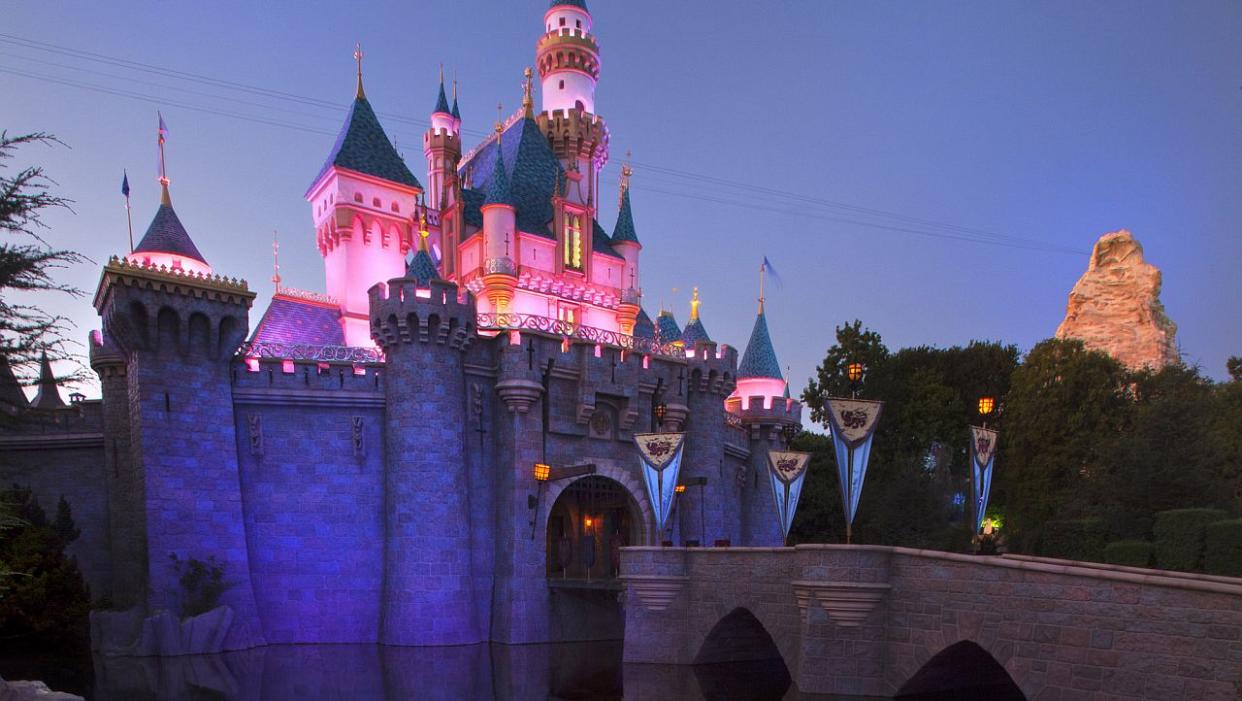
(1222, 553)
(44, 602)
(1074, 539)
(1180, 537)
(1132, 553)
(202, 584)
(1234, 366)
(63, 525)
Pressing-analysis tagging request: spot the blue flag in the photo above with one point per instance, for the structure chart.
(125, 184)
(163, 127)
(772, 274)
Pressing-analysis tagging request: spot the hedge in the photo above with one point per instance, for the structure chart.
(1180, 536)
(1223, 552)
(1134, 553)
(1079, 539)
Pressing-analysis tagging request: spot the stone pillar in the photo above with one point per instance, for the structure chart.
(429, 596)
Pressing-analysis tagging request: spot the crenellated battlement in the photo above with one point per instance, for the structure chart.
(255, 373)
(403, 312)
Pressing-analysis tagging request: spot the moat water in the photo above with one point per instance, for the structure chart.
(578, 671)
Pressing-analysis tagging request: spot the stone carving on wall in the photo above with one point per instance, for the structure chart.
(601, 424)
(359, 447)
(1115, 306)
(255, 424)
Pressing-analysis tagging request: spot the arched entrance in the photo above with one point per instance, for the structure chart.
(739, 661)
(588, 524)
(962, 671)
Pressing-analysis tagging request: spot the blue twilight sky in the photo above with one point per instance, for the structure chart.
(865, 148)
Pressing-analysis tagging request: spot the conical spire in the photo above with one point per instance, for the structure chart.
(363, 146)
(456, 113)
(498, 191)
(624, 230)
(759, 360)
(11, 394)
(666, 329)
(441, 99)
(48, 396)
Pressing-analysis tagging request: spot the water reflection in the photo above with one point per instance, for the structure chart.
(585, 671)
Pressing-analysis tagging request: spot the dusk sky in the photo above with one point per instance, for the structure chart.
(939, 170)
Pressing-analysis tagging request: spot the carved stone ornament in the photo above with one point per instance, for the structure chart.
(654, 591)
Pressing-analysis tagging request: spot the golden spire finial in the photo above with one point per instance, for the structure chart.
(694, 305)
(276, 259)
(762, 269)
(358, 57)
(423, 232)
(626, 172)
(500, 125)
(528, 102)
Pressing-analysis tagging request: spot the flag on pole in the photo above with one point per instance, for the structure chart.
(983, 443)
(125, 184)
(163, 127)
(775, 276)
(787, 471)
(660, 455)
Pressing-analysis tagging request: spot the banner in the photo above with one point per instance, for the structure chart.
(660, 454)
(787, 470)
(982, 459)
(853, 423)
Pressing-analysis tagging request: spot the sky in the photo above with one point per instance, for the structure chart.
(939, 170)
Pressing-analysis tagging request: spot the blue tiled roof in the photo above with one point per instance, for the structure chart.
(643, 328)
(363, 146)
(600, 242)
(289, 320)
(167, 235)
(456, 113)
(442, 101)
(472, 214)
(759, 360)
(666, 328)
(532, 170)
(580, 4)
(694, 332)
(624, 231)
(10, 389)
(498, 190)
(422, 268)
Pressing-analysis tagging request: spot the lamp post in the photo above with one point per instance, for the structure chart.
(789, 432)
(986, 406)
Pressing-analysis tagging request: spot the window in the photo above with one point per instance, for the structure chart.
(396, 207)
(568, 313)
(578, 23)
(562, 85)
(375, 202)
(572, 246)
(357, 197)
(562, 21)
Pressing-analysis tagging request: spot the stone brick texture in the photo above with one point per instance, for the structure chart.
(1062, 630)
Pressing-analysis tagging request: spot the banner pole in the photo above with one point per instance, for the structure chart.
(849, 494)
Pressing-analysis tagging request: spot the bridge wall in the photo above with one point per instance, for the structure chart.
(1062, 630)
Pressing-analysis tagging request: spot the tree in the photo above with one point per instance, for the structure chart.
(28, 263)
(1234, 366)
(854, 345)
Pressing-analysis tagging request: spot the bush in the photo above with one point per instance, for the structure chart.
(1078, 539)
(1132, 553)
(1180, 535)
(202, 584)
(1222, 553)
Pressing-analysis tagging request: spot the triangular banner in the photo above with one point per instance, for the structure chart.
(853, 423)
(983, 442)
(787, 471)
(660, 455)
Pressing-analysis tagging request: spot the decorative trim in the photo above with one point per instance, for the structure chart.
(304, 351)
(655, 591)
(506, 321)
(847, 603)
(307, 296)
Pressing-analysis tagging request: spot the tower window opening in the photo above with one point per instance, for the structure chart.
(573, 241)
(375, 202)
(562, 21)
(578, 23)
(562, 85)
(579, 106)
(357, 197)
(396, 207)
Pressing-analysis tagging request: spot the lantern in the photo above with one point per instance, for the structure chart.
(661, 409)
(542, 472)
(986, 405)
(788, 432)
(680, 489)
(854, 371)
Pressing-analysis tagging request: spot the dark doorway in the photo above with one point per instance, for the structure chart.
(961, 672)
(740, 662)
(587, 527)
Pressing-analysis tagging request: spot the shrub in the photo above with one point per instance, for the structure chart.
(1222, 553)
(1133, 553)
(202, 584)
(1179, 537)
(1077, 539)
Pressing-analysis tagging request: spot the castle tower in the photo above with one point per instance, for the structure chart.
(361, 203)
(499, 235)
(625, 242)
(175, 331)
(442, 148)
(48, 396)
(429, 593)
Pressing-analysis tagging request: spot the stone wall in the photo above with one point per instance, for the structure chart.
(863, 619)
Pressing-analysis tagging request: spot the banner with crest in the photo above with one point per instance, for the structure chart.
(787, 471)
(982, 459)
(853, 423)
(660, 454)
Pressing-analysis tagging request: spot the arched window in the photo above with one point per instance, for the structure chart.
(579, 106)
(572, 246)
(357, 197)
(375, 202)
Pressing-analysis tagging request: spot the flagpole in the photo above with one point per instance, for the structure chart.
(129, 219)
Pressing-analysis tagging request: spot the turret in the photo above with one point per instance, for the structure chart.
(625, 242)
(362, 203)
(442, 148)
(166, 243)
(48, 395)
(694, 333)
(499, 234)
(568, 58)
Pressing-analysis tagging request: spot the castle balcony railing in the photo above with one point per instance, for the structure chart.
(568, 329)
(309, 352)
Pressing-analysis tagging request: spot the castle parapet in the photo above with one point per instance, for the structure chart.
(404, 312)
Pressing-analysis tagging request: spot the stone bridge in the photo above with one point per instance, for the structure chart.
(863, 620)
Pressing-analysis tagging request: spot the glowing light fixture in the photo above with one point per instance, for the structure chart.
(661, 410)
(986, 405)
(854, 371)
(542, 472)
(680, 489)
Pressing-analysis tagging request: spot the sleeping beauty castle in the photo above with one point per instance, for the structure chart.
(436, 450)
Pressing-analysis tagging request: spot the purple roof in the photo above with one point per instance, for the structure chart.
(290, 320)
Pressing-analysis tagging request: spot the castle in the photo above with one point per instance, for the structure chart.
(437, 450)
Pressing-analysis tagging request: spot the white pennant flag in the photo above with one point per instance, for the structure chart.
(787, 471)
(660, 454)
(853, 423)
